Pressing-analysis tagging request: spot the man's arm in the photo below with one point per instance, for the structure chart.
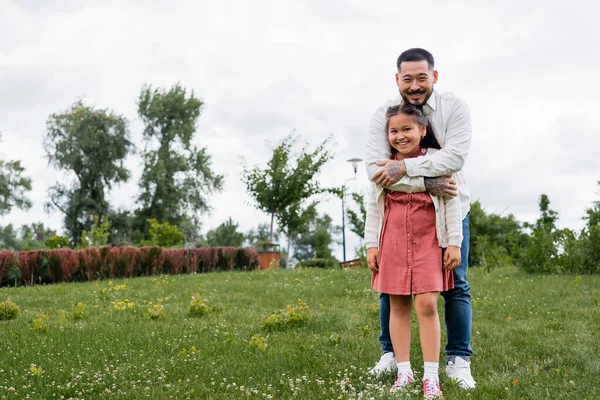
(378, 148)
(372, 219)
(451, 158)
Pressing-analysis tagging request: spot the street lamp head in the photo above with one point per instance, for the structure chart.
(355, 162)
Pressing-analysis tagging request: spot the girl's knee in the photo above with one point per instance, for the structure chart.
(426, 306)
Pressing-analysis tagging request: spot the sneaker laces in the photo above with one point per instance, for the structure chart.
(431, 387)
(403, 379)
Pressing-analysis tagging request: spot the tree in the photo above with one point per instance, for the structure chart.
(284, 187)
(541, 253)
(165, 234)
(494, 238)
(357, 220)
(259, 236)
(13, 186)
(316, 239)
(36, 231)
(177, 176)
(97, 236)
(9, 239)
(225, 234)
(91, 145)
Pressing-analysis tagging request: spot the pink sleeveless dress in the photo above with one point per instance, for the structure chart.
(410, 258)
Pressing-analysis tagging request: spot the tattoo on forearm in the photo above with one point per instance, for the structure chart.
(394, 169)
(434, 186)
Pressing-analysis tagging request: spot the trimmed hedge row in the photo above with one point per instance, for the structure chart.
(66, 265)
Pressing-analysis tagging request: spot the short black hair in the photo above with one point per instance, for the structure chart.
(415, 54)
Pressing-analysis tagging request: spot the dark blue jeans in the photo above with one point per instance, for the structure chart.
(457, 309)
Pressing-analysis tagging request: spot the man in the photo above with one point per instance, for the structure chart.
(450, 119)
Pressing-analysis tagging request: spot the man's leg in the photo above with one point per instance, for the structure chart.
(384, 322)
(458, 317)
(387, 363)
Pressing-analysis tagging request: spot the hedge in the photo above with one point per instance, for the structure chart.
(66, 265)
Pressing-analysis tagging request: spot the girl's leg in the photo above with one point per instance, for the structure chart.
(429, 326)
(400, 309)
(429, 330)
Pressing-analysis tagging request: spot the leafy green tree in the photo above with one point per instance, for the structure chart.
(283, 189)
(494, 238)
(98, 235)
(259, 236)
(13, 186)
(165, 234)
(90, 145)
(541, 254)
(316, 239)
(592, 214)
(357, 220)
(225, 234)
(57, 242)
(177, 177)
(9, 239)
(36, 231)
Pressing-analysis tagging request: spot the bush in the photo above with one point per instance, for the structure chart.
(290, 317)
(198, 307)
(57, 242)
(318, 263)
(9, 310)
(62, 264)
(8, 262)
(30, 264)
(165, 234)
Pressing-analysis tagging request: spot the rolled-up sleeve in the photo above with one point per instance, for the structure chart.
(451, 158)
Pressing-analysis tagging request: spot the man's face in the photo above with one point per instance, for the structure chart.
(415, 81)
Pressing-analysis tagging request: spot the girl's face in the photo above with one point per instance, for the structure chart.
(405, 134)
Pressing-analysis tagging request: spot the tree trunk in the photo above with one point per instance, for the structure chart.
(272, 219)
(287, 256)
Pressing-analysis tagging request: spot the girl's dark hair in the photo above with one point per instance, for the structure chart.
(416, 113)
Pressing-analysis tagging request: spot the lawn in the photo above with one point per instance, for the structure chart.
(535, 337)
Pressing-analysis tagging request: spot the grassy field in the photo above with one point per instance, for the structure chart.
(535, 337)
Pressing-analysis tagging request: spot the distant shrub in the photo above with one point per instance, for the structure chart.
(9, 310)
(157, 311)
(62, 264)
(318, 263)
(30, 264)
(198, 307)
(258, 342)
(57, 242)
(8, 262)
(289, 317)
(39, 324)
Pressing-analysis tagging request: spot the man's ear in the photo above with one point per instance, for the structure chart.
(397, 79)
(435, 76)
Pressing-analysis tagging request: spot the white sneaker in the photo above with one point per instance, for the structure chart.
(460, 371)
(387, 363)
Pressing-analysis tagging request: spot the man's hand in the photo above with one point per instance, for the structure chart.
(443, 186)
(373, 259)
(452, 257)
(391, 172)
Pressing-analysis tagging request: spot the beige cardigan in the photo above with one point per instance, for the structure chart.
(447, 212)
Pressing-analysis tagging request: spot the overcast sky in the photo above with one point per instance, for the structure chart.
(265, 68)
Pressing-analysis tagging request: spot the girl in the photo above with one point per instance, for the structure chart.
(409, 229)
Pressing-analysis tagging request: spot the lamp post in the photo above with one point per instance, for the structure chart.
(354, 162)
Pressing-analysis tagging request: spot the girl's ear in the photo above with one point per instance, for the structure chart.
(423, 130)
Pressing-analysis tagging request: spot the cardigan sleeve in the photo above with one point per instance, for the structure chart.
(373, 217)
(453, 221)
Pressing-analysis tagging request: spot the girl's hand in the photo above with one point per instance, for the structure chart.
(451, 257)
(373, 258)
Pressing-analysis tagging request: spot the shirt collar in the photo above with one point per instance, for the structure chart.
(431, 101)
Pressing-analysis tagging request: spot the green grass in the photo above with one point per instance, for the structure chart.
(534, 337)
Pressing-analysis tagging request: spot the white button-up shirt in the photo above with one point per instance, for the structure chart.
(451, 121)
